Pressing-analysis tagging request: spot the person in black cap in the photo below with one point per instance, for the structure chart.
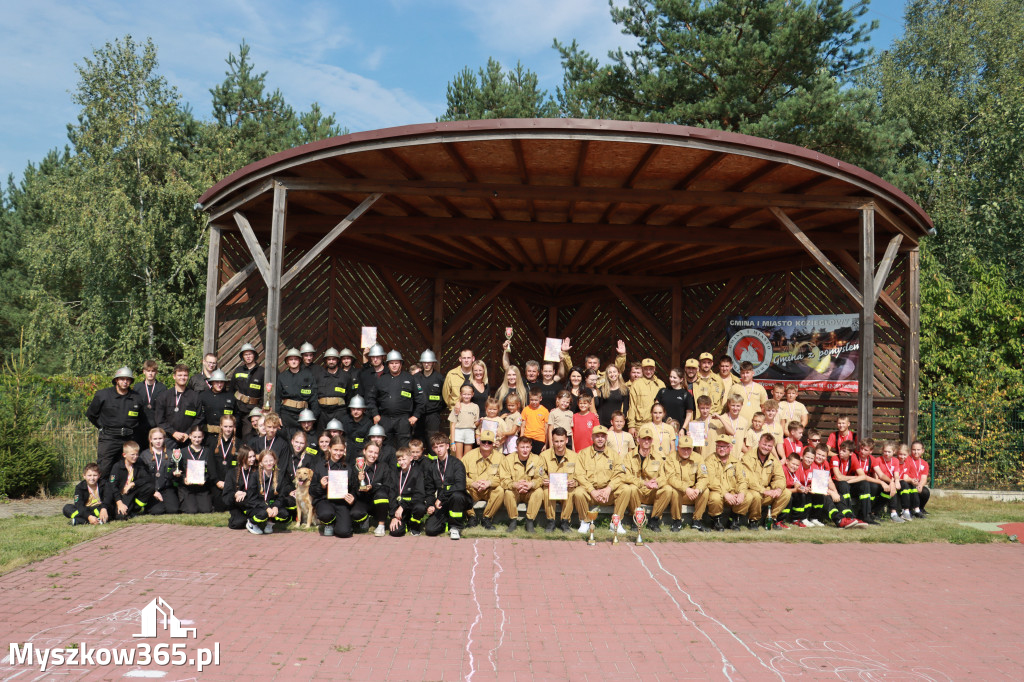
(117, 411)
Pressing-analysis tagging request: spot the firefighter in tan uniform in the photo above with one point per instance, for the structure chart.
(521, 474)
(483, 480)
(641, 396)
(688, 478)
(607, 478)
(765, 480)
(559, 459)
(649, 472)
(727, 482)
(709, 384)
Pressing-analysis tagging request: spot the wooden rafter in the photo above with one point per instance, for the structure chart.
(710, 311)
(254, 245)
(311, 255)
(853, 267)
(827, 265)
(641, 314)
(471, 311)
(882, 274)
(403, 300)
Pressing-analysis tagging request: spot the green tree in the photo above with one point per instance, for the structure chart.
(957, 77)
(780, 69)
(494, 93)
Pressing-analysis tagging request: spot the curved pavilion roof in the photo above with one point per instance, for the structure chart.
(558, 201)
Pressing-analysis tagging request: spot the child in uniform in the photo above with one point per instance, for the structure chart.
(620, 440)
(239, 479)
(266, 501)
(92, 500)
(161, 467)
(196, 496)
(535, 421)
(921, 466)
(408, 507)
(753, 435)
(888, 471)
(583, 423)
(790, 409)
(464, 418)
(132, 483)
(336, 514)
(561, 417)
(512, 423)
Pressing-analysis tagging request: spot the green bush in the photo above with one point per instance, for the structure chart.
(27, 462)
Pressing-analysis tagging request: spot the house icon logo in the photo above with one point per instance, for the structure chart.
(157, 615)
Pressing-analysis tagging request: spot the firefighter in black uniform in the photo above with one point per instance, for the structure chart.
(445, 489)
(408, 504)
(429, 382)
(347, 360)
(179, 409)
(334, 386)
(399, 402)
(200, 381)
(117, 412)
(247, 385)
(356, 425)
(308, 353)
(216, 403)
(296, 391)
(149, 389)
(373, 370)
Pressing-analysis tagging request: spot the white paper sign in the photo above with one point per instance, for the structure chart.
(368, 337)
(490, 425)
(552, 350)
(819, 482)
(698, 432)
(337, 484)
(558, 488)
(195, 472)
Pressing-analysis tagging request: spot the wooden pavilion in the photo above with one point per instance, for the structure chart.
(443, 234)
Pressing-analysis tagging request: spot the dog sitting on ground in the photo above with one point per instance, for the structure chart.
(303, 502)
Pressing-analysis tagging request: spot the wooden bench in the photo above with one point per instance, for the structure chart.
(604, 510)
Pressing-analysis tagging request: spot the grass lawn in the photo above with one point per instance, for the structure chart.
(25, 539)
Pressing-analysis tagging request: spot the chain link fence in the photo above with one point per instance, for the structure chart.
(973, 448)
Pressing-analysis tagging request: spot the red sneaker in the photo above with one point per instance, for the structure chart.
(782, 525)
(848, 523)
(798, 524)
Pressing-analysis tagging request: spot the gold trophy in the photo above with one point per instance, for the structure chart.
(615, 528)
(176, 456)
(640, 517)
(591, 517)
(361, 470)
(508, 339)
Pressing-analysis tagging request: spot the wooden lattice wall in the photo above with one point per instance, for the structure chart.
(335, 296)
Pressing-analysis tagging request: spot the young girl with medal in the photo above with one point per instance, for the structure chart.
(266, 501)
(664, 434)
(375, 486)
(161, 465)
(236, 487)
(196, 497)
(224, 450)
(302, 456)
(335, 510)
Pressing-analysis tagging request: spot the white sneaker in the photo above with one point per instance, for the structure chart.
(895, 518)
(906, 514)
(379, 530)
(269, 528)
(817, 523)
(454, 534)
(253, 528)
(620, 530)
(584, 527)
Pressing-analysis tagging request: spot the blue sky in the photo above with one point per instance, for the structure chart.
(375, 64)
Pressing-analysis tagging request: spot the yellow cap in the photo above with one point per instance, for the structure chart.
(487, 436)
(646, 431)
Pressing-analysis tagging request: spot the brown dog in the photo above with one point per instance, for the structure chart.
(303, 502)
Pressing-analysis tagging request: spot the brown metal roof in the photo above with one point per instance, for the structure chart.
(574, 197)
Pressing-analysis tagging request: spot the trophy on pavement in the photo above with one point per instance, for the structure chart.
(615, 528)
(640, 517)
(591, 517)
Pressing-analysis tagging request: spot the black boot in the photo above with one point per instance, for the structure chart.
(718, 524)
(512, 526)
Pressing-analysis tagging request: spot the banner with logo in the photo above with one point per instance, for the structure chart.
(816, 352)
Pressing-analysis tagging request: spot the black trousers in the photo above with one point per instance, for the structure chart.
(341, 515)
(237, 518)
(289, 418)
(397, 428)
(453, 515)
(412, 519)
(137, 501)
(196, 500)
(108, 451)
(378, 508)
(428, 425)
(329, 412)
(171, 504)
(71, 511)
(799, 506)
(260, 517)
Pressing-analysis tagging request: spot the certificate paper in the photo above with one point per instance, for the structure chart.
(819, 482)
(337, 484)
(558, 488)
(552, 350)
(489, 425)
(195, 472)
(698, 432)
(368, 337)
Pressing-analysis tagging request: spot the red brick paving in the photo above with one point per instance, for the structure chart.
(299, 607)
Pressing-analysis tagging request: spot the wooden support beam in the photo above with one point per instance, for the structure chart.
(677, 325)
(885, 266)
(553, 321)
(912, 383)
(850, 263)
(277, 230)
(866, 366)
(469, 312)
(553, 278)
(212, 277)
(526, 317)
(817, 254)
(236, 281)
(488, 191)
(641, 314)
(406, 305)
(254, 245)
(712, 309)
(438, 315)
(242, 200)
(891, 218)
(582, 314)
(311, 255)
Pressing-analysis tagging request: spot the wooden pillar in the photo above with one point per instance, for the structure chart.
(212, 284)
(866, 371)
(332, 289)
(677, 326)
(912, 386)
(277, 227)
(553, 322)
(438, 316)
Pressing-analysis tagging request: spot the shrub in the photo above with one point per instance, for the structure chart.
(27, 462)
